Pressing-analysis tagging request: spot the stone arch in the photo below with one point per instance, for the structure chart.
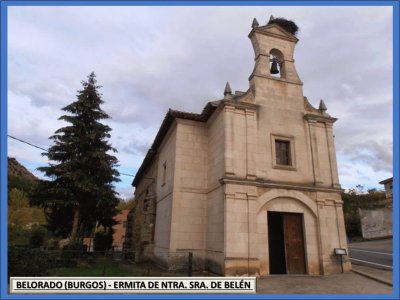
(264, 199)
(293, 202)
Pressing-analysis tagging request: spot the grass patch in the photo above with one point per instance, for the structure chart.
(93, 271)
(111, 268)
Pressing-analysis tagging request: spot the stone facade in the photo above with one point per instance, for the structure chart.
(251, 180)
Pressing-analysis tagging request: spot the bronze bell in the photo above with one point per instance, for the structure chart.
(274, 66)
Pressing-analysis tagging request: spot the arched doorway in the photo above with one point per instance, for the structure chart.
(288, 204)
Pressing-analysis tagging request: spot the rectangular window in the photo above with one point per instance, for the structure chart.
(282, 151)
(164, 173)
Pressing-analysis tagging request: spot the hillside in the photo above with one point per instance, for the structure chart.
(16, 169)
(22, 218)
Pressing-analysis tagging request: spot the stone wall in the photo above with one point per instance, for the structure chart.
(164, 189)
(190, 189)
(215, 197)
(376, 223)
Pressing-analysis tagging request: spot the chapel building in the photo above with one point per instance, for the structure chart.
(250, 185)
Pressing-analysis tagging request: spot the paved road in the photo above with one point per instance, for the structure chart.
(376, 254)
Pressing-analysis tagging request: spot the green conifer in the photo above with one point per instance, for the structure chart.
(82, 170)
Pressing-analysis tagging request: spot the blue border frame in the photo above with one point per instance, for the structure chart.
(396, 135)
(198, 3)
(3, 147)
(3, 142)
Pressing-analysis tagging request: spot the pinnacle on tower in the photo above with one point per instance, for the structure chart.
(322, 106)
(228, 90)
(255, 23)
(271, 18)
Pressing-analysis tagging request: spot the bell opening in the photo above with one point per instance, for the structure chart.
(276, 65)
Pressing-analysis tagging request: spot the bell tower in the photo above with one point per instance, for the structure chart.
(294, 140)
(274, 67)
(281, 150)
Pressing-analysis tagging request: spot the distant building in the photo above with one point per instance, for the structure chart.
(378, 222)
(388, 184)
(87, 242)
(128, 246)
(250, 185)
(119, 230)
(119, 233)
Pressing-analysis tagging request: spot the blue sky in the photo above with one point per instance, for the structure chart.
(149, 59)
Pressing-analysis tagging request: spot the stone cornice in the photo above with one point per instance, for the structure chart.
(319, 118)
(279, 185)
(240, 105)
(275, 78)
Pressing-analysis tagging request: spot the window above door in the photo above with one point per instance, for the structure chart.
(283, 152)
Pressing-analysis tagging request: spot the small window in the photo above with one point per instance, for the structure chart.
(164, 179)
(282, 151)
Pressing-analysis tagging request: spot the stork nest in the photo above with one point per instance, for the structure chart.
(288, 25)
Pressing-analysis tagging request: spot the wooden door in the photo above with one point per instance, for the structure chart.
(294, 243)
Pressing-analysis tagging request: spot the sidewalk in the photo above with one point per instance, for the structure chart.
(347, 283)
(380, 275)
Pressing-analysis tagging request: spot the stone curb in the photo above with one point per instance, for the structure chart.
(376, 278)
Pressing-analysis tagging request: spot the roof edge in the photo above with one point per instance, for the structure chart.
(386, 180)
(169, 118)
(264, 30)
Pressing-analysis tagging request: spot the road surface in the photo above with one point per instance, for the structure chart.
(376, 254)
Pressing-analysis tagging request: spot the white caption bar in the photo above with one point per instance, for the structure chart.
(132, 285)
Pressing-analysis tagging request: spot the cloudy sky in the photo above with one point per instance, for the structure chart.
(149, 59)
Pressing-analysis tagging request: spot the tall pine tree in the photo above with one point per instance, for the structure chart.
(81, 191)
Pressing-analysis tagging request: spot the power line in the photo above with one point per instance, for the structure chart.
(22, 141)
(126, 174)
(32, 145)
